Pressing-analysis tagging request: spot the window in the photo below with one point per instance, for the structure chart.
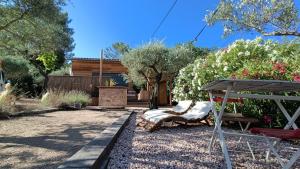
(116, 77)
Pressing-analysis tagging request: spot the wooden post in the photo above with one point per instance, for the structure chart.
(100, 72)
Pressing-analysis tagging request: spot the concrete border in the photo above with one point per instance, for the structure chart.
(95, 154)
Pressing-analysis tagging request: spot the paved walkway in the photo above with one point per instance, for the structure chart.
(46, 140)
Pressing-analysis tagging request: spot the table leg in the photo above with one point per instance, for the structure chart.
(240, 139)
(290, 124)
(215, 128)
(293, 159)
(283, 110)
(218, 118)
(293, 119)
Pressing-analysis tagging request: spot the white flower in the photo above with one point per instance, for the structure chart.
(225, 68)
(199, 82)
(267, 47)
(275, 52)
(240, 53)
(193, 83)
(247, 53)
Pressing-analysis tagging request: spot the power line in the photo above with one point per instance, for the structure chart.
(164, 18)
(200, 32)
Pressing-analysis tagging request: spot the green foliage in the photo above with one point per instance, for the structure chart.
(64, 99)
(35, 30)
(116, 51)
(143, 61)
(65, 70)
(13, 11)
(268, 17)
(48, 60)
(22, 75)
(121, 47)
(14, 67)
(243, 59)
(153, 62)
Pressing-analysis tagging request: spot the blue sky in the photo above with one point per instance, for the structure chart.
(100, 23)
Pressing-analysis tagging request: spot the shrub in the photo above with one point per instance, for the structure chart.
(63, 99)
(243, 59)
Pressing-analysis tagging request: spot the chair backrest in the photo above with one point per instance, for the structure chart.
(200, 106)
(182, 106)
(198, 111)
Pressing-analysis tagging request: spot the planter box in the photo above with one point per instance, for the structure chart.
(112, 96)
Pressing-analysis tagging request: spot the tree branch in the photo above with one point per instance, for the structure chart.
(282, 34)
(154, 68)
(13, 21)
(144, 75)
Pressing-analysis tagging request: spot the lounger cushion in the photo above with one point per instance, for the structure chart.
(279, 133)
(182, 106)
(156, 115)
(197, 112)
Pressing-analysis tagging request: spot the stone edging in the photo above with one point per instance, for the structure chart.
(95, 153)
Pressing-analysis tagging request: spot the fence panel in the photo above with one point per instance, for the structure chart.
(67, 83)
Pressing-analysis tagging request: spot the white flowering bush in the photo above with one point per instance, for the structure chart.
(243, 59)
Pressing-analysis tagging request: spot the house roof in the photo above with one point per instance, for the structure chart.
(93, 59)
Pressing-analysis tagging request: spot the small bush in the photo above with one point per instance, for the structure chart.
(65, 99)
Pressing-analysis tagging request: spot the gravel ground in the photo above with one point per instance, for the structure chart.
(186, 148)
(46, 140)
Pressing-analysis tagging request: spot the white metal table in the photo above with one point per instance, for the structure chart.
(233, 89)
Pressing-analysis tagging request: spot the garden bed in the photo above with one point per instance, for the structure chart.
(46, 140)
(185, 147)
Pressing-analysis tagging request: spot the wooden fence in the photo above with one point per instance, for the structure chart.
(87, 84)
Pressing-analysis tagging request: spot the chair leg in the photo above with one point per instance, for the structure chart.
(272, 148)
(293, 159)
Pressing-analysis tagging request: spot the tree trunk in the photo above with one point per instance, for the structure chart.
(154, 94)
(46, 79)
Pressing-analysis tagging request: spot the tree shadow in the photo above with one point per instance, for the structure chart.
(65, 143)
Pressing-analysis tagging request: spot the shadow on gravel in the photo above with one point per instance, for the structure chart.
(69, 141)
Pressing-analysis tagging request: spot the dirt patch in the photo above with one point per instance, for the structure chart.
(46, 140)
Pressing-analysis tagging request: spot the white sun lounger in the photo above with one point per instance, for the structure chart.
(181, 108)
(155, 118)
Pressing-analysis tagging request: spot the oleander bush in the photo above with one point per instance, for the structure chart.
(244, 59)
(65, 99)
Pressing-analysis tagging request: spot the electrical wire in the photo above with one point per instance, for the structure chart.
(200, 32)
(164, 18)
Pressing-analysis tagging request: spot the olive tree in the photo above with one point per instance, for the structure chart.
(268, 17)
(153, 62)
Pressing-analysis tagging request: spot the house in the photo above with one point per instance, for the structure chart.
(85, 76)
(112, 69)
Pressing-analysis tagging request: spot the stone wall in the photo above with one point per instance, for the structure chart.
(112, 96)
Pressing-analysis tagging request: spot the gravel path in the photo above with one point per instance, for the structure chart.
(185, 148)
(46, 140)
